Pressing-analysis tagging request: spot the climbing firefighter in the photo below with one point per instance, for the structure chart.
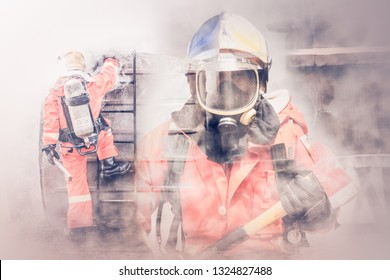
(233, 152)
(72, 118)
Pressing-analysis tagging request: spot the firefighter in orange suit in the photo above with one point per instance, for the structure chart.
(60, 122)
(217, 162)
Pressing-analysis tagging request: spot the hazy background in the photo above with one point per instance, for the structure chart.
(34, 33)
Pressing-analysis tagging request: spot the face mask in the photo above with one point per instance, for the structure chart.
(227, 88)
(226, 137)
(222, 138)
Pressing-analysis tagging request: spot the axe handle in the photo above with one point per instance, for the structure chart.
(244, 232)
(272, 214)
(63, 169)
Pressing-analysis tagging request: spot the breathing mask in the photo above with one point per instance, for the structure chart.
(228, 89)
(230, 60)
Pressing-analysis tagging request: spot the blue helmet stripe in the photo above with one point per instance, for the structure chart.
(206, 38)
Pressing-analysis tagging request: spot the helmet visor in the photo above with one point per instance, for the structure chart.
(227, 88)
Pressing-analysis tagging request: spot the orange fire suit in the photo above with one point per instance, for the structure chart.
(79, 198)
(216, 199)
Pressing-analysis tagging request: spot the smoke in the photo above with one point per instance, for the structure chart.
(34, 33)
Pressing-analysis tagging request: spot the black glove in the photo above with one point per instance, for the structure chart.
(305, 201)
(265, 125)
(51, 153)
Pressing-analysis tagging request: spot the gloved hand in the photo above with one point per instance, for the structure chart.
(112, 54)
(305, 201)
(265, 125)
(111, 61)
(51, 153)
(115, 57)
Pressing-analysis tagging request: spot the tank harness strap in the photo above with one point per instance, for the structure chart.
(101, 123)
(66, 136)
(77, 100)
(177, 147)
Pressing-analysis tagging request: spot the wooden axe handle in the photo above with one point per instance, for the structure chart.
(244, 232)
(63, 169)
(271, 215)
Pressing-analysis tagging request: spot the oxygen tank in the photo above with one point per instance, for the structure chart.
(77, 101)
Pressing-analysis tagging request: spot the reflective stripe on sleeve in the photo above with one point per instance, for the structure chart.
(79, 198)
(51, 135)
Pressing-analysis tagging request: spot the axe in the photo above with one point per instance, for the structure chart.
(62, 168)
(276, 212)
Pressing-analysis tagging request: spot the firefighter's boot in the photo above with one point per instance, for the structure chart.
(109, 168)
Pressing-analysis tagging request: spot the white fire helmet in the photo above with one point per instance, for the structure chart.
(229, 58)
(73, 60)
(73, 64)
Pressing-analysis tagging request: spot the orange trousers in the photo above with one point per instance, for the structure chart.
(80, 213)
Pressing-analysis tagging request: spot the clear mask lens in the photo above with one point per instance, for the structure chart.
(227, 88)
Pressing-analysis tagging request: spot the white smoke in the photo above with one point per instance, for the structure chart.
(34, 33)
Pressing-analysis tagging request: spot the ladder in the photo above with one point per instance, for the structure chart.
(114, 199)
